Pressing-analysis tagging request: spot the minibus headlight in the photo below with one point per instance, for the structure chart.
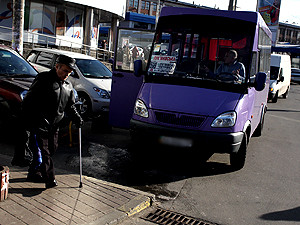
(140, 109)
(225, 120)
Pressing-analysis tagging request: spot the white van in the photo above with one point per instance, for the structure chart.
(280, 76)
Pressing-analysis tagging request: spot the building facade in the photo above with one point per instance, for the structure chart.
(61, 22)
(289, 33)
(143, 14)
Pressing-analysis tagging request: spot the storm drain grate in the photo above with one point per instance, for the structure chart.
(166, 217)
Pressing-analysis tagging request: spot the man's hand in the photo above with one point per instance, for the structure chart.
(78, 121)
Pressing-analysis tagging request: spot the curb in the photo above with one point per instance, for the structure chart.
(134, 206)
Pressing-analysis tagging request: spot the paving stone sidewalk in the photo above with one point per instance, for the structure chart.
(97, 202)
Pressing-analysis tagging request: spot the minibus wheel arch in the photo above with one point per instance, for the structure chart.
(238, 159)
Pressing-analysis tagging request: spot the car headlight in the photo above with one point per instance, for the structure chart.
(225, 120)
(22, 94)
(102, 93)
(140, 109)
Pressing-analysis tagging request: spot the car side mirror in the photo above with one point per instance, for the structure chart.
(260, 81)
(138, 68)
(281, 79)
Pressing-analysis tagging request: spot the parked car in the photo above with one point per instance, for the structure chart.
(91, 78)
(16, 76)
(295, 74)
(280, 79)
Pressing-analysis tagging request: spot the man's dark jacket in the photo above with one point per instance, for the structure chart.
(46, 102)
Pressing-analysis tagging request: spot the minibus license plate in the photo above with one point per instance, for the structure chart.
(175, 141)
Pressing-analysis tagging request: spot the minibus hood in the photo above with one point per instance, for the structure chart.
(185, 99)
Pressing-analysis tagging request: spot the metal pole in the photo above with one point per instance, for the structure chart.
(80, 161)
(18, 25)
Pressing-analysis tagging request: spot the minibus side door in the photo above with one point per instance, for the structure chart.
(131, 45)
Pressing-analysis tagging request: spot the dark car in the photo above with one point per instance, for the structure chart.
(16, 76)
(295, 75)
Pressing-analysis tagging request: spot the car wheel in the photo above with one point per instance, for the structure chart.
(238, 159)
(86, 106)
(285, 95)
(274, 100)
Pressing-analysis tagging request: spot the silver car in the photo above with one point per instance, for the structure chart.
(91, 78)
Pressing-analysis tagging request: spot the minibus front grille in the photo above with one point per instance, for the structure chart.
(179, 119)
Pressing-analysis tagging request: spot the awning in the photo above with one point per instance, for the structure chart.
(131, 16)
(286, 48)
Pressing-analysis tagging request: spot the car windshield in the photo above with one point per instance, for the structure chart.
(274, 72)
(93, 68)
(13, 65)
(195, 53)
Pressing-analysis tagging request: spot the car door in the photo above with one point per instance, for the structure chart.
(125, 85)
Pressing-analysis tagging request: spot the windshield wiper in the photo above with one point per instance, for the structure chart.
(93, 76)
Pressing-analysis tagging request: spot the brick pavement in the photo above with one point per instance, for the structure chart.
(98, 202)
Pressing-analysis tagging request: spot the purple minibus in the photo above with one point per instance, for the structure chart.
(185, 92)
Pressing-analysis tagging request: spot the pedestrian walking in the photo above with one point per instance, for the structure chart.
(48, 100)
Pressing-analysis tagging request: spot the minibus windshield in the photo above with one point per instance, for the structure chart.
(194, 48)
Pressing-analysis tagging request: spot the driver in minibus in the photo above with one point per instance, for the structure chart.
(230, 66)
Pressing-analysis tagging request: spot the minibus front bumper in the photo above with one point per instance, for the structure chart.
(216, 142)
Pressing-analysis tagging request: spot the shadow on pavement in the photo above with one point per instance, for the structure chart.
(26, 192)
(284, 215)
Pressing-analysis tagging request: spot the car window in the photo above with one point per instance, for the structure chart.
(93, 68)
(31, 56)
(45, 59)
(13, 64)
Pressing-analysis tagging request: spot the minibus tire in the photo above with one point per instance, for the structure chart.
(274, 100)
(260, 126)
(238, 159)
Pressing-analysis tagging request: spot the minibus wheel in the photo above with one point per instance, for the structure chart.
(237, 159)
(260, 127)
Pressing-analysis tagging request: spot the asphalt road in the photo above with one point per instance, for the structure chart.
(265, 191)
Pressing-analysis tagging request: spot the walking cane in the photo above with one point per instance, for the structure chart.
(80, 162)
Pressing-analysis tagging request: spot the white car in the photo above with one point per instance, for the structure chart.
(91, 78)
(295, 75)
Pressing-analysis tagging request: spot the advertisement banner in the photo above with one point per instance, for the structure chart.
(270, 10)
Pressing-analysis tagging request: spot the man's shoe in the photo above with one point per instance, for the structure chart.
(51, 184)
(36, 178)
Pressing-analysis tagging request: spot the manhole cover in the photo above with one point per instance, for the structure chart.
(166, 217)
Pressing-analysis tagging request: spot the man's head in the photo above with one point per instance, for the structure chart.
(64, 66)
(230, 57)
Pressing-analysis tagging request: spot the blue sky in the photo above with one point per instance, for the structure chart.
(289, 10)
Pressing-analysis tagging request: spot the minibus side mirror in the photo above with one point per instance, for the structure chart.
(260, 81)
(138, 68)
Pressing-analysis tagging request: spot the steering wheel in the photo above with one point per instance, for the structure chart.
(227, 77)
